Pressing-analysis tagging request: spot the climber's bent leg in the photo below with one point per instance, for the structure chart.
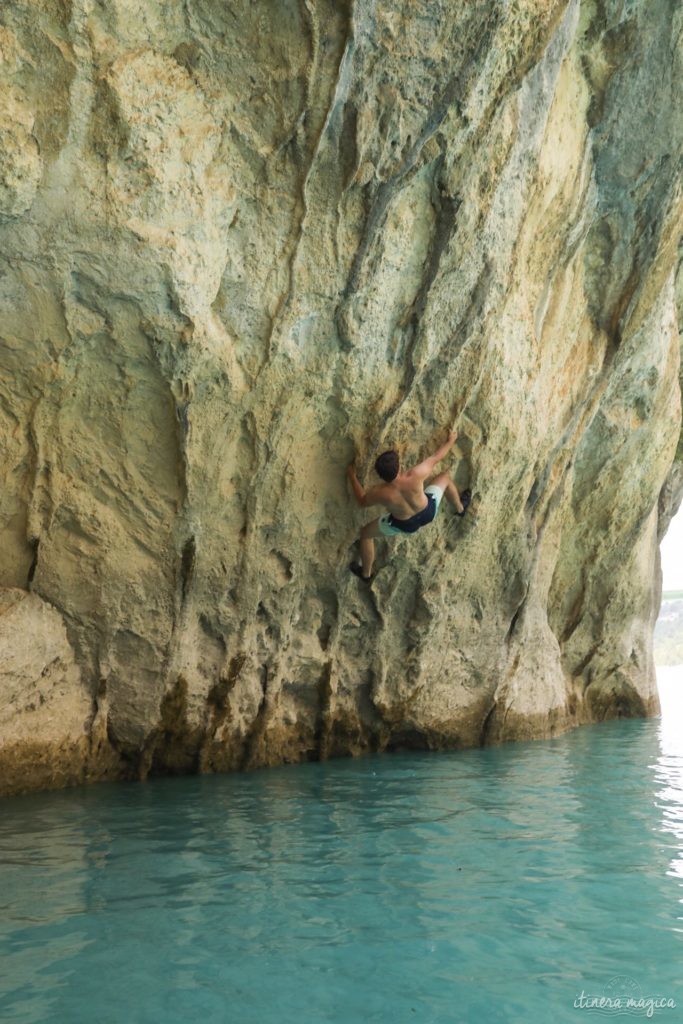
(445, 485)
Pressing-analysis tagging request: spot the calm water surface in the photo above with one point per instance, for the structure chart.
(488, 885)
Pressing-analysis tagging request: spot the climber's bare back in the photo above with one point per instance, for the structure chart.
(404, 496)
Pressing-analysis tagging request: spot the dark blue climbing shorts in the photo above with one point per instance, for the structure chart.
(390, 527)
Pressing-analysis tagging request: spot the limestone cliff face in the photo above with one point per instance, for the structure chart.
(240, 243)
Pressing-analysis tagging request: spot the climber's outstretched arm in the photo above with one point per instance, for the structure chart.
(373, 495)
(426, 468)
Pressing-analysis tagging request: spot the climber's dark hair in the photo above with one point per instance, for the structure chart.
(387, 465)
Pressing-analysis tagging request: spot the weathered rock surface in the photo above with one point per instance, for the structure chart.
(45, 709)
(239, 243)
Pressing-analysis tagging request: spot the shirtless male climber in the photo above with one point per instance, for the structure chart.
(411, 505)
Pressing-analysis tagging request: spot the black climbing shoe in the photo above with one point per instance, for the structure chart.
(357, 570)
(466, 498)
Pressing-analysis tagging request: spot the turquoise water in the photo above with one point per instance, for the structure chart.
(487, 885)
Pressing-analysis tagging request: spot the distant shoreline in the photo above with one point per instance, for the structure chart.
(672, 595)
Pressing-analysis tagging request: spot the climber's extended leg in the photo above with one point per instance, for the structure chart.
(367, 550)
(367, 546)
